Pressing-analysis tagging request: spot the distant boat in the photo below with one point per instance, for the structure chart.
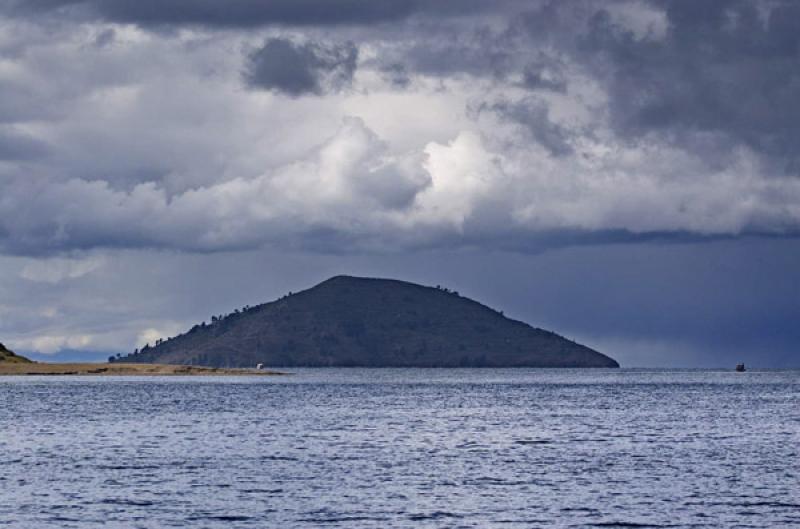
(740, 368)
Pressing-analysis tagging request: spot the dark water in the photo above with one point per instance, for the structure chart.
(404, 448)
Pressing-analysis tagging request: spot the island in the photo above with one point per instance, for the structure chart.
(350, 321)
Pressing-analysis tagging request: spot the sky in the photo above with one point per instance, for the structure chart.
(625, 173)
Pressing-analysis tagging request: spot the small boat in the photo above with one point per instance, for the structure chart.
(740, 368)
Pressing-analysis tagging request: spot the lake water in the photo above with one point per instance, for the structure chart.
(390, 448)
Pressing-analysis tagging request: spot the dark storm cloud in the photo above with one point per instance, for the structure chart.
(479, 54)
(301, 68)
(678, 304)
(725, 67)
(728, 67)
(396, 74)
(533, 115)
(450, 47)
(246, 13)
(544, 74)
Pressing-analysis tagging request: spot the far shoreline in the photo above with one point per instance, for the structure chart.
(124, 369)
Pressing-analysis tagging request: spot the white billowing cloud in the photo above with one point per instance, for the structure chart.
(150, 335)
(350, 183)
(50, 344)
(462, 173)
(355, 187)
(354, 168)
(657, 189)
(69, 331)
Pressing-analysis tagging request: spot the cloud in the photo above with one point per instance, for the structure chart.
(684, 69)
(17, 146)
(151, 334)
(56, 270)
(350, 182)
(297, 69)
(243, 13)
(117, 137)
(396, 74)
(544, 73)
(353, 192)
(534, 115)
(50, 344)
(449, 49)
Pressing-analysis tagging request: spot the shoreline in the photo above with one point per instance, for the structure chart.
(125, 369)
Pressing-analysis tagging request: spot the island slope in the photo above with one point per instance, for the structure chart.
(351, 321)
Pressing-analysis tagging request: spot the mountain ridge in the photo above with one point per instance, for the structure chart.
(356, 321)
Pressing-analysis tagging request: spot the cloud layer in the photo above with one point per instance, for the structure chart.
(588, 118)
(243, 13)
(357, 134)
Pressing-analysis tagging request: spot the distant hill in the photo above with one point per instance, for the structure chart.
(10, 357)
(351, 321)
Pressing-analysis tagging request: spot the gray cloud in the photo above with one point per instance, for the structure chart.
(544, 73)
(728, 68)
(396, 74)
(155, 143)
(19, 103)
(354, 194)
(246, 13)
(451, 47)
(534, 115)
(301, 68)
(17, 146)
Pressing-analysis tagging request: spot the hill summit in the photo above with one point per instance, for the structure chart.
(352, 321)
(9, 356)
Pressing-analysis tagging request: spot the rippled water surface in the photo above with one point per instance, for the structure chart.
(404, 448)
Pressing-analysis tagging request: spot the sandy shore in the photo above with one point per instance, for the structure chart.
(121, 369)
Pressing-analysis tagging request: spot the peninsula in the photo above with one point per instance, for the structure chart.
(352, 321)
(8, 356)
(14, 364)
